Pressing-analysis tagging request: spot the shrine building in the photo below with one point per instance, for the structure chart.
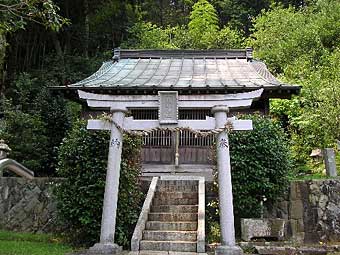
(183, 102)
(198, 73)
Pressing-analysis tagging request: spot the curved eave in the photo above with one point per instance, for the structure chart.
(283, 91)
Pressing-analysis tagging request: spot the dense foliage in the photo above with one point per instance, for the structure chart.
(302, 54)
(303, 47)
(82, 161)
(202, 32)
(37, 118)
(15, 14)
(260, 162)
(36, 122)
(50, 43)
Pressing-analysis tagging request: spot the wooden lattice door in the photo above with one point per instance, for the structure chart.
(194, 149)
(158, 148)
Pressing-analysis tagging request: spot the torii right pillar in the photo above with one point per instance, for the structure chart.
(228, 245)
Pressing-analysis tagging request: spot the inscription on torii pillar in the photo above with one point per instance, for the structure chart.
(168, 103)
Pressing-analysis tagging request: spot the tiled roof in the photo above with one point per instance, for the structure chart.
(180, 73)
(211, 69)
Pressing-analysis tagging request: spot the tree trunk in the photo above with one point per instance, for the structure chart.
(86, 28)
(57, 45)
(60, 54)
(67, 46)
(2, 62)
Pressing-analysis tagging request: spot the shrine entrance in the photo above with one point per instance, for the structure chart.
(169, 133)
(161, 147)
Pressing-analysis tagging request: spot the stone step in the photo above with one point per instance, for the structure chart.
(174, 186)
(175, 208)
(178, 188)
(178, 226)
(177, 182)
(172, 217)
(147, 252)
(173, 195)
(183, 246)
(174, 201)
(157, 235)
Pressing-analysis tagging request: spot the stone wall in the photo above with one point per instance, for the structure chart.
(311, 207)
(27, 206)
(313, 210)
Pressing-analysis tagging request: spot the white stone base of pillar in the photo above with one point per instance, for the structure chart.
(103, 249)
(228, 250)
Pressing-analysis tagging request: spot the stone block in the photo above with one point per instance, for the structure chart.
(296, 209)
(228, 250)
(277, 250)
(312, 250)
(300, 226)
(323, 200)
(295, 190)
(330, 164)
(296, 232)
(263, 228)
(31, 204)
(104, 249)
(152, 253)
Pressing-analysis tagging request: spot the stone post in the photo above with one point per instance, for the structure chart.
(4, 151)
(108, 224)
(228, 244)
(330, 164)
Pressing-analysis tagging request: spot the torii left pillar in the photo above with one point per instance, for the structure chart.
(108, 226)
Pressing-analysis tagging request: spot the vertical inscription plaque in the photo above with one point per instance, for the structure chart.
(168, 108)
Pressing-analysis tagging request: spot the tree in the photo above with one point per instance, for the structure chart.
(15, 14)
(35, 124)
(240, 13)
(202, 32)
(203, 24)
(166, 12)
(302, 45)
(149, 36)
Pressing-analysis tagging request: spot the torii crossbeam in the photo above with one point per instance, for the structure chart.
(168, 103)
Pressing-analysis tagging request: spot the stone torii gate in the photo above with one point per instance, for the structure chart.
(168, 103)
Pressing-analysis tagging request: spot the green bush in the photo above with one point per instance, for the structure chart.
(82, 161)
(35, 122)
(260, 162)
(25, 134)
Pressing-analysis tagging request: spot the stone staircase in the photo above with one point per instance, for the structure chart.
(172, 220)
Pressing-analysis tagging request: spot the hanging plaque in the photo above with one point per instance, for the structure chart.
(168, 108)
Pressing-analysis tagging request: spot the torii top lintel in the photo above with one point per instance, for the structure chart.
(123, 103)
(238, 101)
